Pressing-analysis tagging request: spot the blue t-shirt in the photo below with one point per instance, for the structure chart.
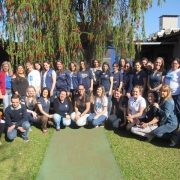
(105, 80)
(45, 105)
(117, 78)
(63, 106)
(8, 81)
(86, 78)
(155, 78)
(138, 78)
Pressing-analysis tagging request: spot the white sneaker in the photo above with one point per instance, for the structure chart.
(30, 130)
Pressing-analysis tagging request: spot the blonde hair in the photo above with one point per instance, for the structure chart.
(76, 66)
(33, 98)
(167, 89)
(10, 71)
(139, 87)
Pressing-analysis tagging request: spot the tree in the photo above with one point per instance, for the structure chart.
(36, 30)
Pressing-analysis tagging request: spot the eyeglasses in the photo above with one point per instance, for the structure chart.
(127, 66)
(115, 66)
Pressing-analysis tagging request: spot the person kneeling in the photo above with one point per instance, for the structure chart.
(16, 119)
(63, 109)
(100, 107)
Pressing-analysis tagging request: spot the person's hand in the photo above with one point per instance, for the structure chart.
(50, 116)
(77, 117)
(21, 129)
(11, 128)
(17, 93)
(34, 114)
(95, 117)
(51, 93)
(90, 89)
(68, 93)
(156, 105)
(128, 95)
(109, 93)
(144, 125)
(67, 116)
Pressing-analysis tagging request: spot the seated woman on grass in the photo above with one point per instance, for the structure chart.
(81, 107)
(100, 108)
(120, 102)
(168, 118)
(63, 109)
(136, 108)
(152, 117)
(31, 103)
(43, 109)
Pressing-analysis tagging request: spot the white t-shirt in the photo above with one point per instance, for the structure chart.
(34, 79)
(100, 104)
(172, 79)
(135, 105)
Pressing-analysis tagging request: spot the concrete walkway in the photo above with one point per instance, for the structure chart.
(79, 154)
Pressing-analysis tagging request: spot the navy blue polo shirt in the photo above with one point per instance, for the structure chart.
(105, 80)
(155, 78)
(45, 105)
(63, 106)
(80, 106)
(138, 78)
(117, 78)
(30, 104)
(86, 78)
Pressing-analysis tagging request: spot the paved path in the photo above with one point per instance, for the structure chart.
(79, 154)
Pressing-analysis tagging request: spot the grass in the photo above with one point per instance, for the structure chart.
(22, 160)
(139, 160)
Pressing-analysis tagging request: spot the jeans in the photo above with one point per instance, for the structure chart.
(109, 103)
(114, 120)
(31, 119)
(7, 99)
(81, 121)
(53, 96)
(164, 131)
(58, 118)
(97, 121)
(13, 134)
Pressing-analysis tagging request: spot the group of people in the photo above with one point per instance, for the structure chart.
(143, 98)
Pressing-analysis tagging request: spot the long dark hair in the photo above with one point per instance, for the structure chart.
(83, 97)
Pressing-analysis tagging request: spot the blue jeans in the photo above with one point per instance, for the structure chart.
(13, 134)
(164, 131)
(109, 103)
(58, 118)
(31, 119)
(7, 99)
(52, 97)
(97, 121)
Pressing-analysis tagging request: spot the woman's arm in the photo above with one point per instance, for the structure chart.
(75, 108)
(53, 84)
(14, 86)
(43, 112)
(148, 83)
(144, 86)
(159, 87)
(103, 112)
(154, 121)
(138, 114)
(111, 85)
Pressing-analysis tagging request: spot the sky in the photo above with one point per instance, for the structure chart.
(170, 7)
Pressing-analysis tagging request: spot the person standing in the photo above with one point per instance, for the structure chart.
(20, 83)
(6, 76)
(34, 78)
(16, 119)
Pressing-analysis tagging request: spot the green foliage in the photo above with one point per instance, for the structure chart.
(38, 29)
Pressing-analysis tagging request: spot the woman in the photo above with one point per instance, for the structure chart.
(168, 118)
(139, 77)
(20, 83)
(150, 67)
(117, 77)
(87, 77)
(63, 81)
(118, 118)
(144, 62)
(122, 63)
(81, 107)
(75, 78)
(6, 76)
(172, 79)
(34, 77)
(156, 76)
(48, 79)
(136, 108)
(31, 103)
(100, 107)
(106, 80)
(38, 66)
(96, 70)
(43, 105)
(63, 109)
(152, 117)
(127, 80)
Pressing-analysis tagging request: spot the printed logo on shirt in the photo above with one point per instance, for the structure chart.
(66, 105)
(138, 76)
(30, 78)
(84, 75)
(20, 114)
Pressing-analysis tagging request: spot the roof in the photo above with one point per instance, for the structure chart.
(169, 16)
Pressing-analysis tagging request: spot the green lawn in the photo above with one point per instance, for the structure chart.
(139, 160)
(22, 160)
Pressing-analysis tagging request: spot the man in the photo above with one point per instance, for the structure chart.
(16, 119)
(34, 77)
